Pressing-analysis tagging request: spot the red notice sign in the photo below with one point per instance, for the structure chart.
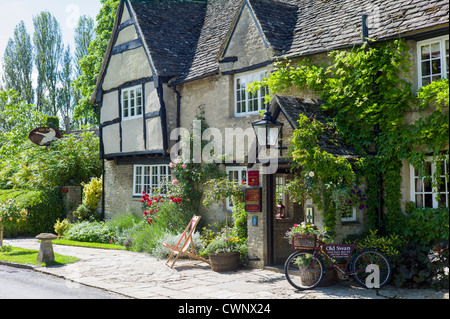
(253, 178)
(253, 200)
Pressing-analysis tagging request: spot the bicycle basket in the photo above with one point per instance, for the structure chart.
(304, 242)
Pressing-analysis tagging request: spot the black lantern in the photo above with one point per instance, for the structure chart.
(267, 130)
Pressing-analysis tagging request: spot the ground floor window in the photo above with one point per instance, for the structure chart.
(149, 177)
(238, 174)
(426, 191)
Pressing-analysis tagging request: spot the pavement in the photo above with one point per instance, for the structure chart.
(141, 276)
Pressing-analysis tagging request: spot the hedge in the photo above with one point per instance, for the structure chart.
(44, 208)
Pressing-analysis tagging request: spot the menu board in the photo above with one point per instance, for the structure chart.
(253, 199)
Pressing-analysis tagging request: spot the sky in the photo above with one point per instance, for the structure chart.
(67, 12)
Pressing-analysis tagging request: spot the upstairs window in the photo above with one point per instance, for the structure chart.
(246, 102)
(132, 102)
(433, 61)
(423, 190)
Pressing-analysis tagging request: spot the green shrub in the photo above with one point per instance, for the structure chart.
(418, 267)
(239, 219)
(93, 232)
(390, 245)
(61, 226)
(92, 192)
(425, 226)
(44, 208)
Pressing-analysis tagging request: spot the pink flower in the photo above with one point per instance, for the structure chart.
(184, 166)
(171, 165)
(174, 182)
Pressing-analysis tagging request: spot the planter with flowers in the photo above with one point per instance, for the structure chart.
(224, 253)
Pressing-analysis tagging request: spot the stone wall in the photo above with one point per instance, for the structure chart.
(118, 186)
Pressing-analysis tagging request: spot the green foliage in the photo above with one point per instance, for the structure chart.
(223, 244)
(414, 267)
(390, 245)
(44, 208)
(366, 99)
(61, 226)
(91, 64)
(71, 160)
(92, 192)
(425, 226)
(86, 231)
(240, 220)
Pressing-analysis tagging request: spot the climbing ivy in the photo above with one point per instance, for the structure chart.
(366, 100)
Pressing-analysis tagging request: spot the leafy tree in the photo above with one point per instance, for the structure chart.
(70, 161)
(47, 40)
(91, 64)
(65, 92)
(84, 34)
(18, 64)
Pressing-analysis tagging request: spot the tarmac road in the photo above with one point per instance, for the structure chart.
(16, 283)
(141, 276)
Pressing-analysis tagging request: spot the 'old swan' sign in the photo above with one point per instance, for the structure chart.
(44, 136)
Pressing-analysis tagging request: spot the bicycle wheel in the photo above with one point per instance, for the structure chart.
(375, 276)
(304, 270)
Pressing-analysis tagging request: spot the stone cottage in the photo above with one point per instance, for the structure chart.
(166, 59)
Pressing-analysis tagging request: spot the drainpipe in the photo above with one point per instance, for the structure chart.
(174, 89)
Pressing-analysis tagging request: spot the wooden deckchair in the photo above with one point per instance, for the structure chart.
(185, 242)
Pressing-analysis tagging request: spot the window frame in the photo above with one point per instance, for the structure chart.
(434, 191)
(441, 40)
(249, 77)
(126, 92)
(146, 180)
(238, 169)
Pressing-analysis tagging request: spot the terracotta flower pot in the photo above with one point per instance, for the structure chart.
(224, 261)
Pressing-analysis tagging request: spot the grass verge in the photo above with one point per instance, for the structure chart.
(87, 244)
(28, 257)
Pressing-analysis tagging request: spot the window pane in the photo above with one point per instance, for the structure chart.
(428, 186)
(419, 185)
(429, 200)
(435, 50)
(442, 185)
(443, 200)
(426, 68)
(425, 52)
(428, 169)
(426, 81)
(419, 200)
(446, 55)
(436, 66)
(139, 101)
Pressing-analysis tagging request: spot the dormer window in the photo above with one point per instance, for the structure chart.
(247, 103)
(132, 102)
